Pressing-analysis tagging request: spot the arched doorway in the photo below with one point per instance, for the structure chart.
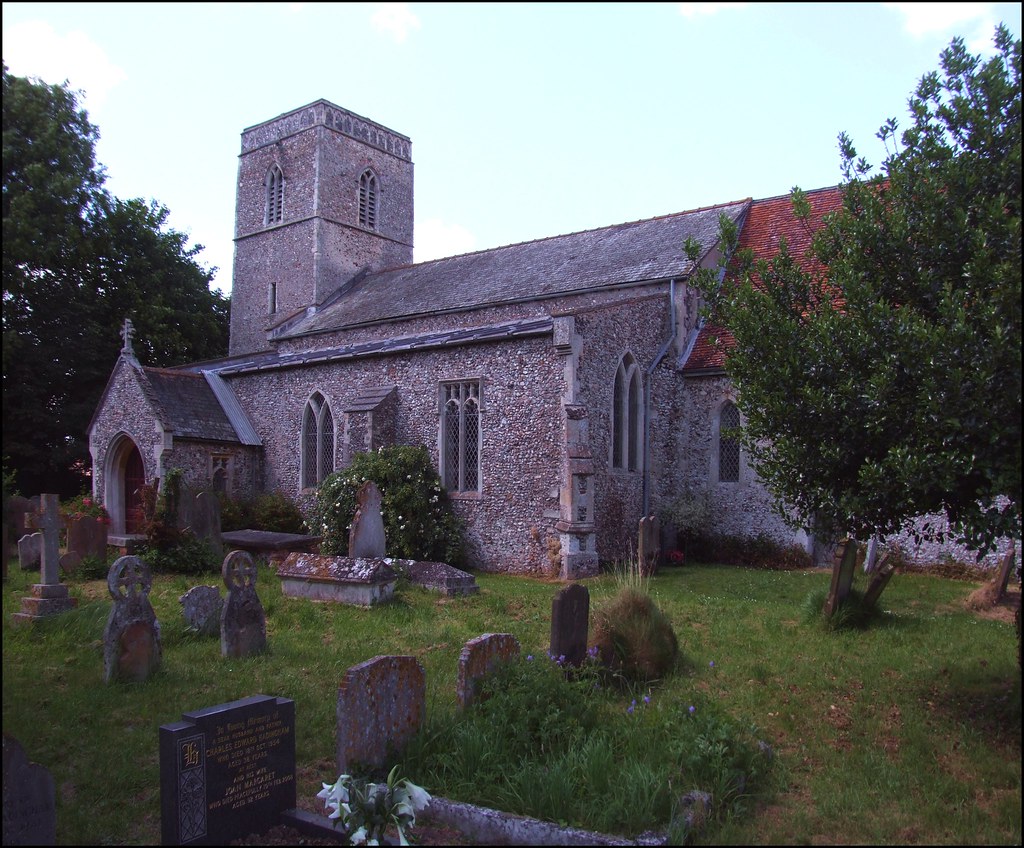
(125, 476)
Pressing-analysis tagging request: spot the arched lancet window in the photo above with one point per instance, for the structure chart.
(728, 444)
(460, 436)
(317, 441)
(275, 195)
(368, 199)
(627, 416)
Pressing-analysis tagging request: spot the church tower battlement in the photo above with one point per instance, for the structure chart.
(322, 193)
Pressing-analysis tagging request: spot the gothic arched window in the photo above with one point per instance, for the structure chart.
(317, 442)
(729, 444)
(368, 199)
(275, 196)
(460, 436)
(627, 416)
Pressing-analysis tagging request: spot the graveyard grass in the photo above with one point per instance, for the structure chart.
(908, 732)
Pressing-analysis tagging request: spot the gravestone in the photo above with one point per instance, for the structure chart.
(204, 520)
(381, 704)
(201, 606)
(243, 624)
(570, 619)
(49, 597)
(478, 657)
(362, 582)
(649, 547)
(227, 771)
(366, 538)
(131, 640)
(844, 562)
(30, 551)
(882, 574)
(87, 537)
(1003, 576)
(30, 800)
(70, 562)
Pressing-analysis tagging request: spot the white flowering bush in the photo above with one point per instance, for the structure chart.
(367, 810)
(418, 519)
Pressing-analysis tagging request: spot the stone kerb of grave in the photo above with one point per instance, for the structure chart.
(30, 800)
(131, 640)
(478, 657)
(243, 623)
(201, 606)
(381, 705)
(362, 581)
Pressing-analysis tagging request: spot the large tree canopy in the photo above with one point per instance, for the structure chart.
(76, 262)
(880, 376)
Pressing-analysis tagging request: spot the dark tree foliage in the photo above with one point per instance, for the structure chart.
(76, 262)
(888, 384)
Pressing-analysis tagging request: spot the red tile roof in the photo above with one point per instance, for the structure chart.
(766, 221)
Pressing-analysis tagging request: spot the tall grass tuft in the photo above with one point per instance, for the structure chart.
(634, 638)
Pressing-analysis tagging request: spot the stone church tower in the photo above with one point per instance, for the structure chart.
(323, 194)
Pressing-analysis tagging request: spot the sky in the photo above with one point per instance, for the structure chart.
(527, 120)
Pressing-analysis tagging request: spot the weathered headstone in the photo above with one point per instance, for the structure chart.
(883, 572)
(30, 800)
(70, 562)
(570, 619)
(381, 704)
(227, 771)
(843, 565)
(30, 551)
(649, 547)
(87, 537)
(366, 538)
(49, 596)
(131, 640)
(243, 623)
(478, 657)
(205, 518)
(201, 606)
(362, 582)
(1005, 568)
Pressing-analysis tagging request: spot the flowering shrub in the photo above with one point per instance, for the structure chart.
(418, 520)
(83, 506)
(368, 809)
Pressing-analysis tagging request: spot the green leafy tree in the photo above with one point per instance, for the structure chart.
(880, 375)
(76, 262)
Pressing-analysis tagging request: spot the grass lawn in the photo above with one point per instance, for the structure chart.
(907, 733)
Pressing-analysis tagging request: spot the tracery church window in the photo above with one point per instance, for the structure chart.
(627, 416)
(275, 196)
(368, 199)
(728, 444)
(220, 470)
(317, 450)
(460, 436)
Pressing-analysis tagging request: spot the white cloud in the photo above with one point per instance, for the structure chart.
(436, 239)
(396, 19)
(974, 22)
(35, 49)
(696, 10)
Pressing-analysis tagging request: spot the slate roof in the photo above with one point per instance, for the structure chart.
(189, 406)
(766, 221)
(633, 252)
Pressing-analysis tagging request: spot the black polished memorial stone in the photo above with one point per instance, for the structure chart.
(227, 771)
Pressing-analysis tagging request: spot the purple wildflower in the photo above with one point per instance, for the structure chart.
(693, 709)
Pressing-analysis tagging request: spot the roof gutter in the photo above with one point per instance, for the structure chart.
(647, 392)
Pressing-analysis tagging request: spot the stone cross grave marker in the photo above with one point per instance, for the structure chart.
(201, 606)
(649, 547)
(243, 623)
(478, 657)
(227, 771)
(50, 596)
(30, 800)
(381, 704)
(366, 538)
(570, 619)
(131, 640)
(843, 565)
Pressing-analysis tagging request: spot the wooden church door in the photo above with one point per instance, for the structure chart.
(134, 479)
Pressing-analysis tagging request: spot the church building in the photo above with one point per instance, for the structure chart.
(565, 387)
